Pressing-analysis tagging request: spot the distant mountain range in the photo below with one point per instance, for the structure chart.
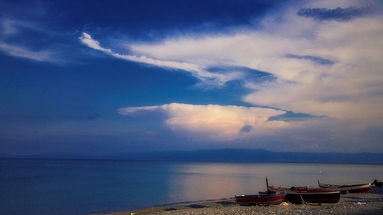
(227, 155)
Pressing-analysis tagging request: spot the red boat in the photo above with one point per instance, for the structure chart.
(300, 195)
(354, 188)
(264, 198)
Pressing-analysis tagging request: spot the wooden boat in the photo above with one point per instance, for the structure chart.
(300, 195)
(265, 198)
(352, 188)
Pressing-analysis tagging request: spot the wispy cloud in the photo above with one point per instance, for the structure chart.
(15, 41)
(216, 122)
(196, 70)
(19, 51)
(7, 26)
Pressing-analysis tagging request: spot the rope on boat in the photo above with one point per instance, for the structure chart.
(303, 201)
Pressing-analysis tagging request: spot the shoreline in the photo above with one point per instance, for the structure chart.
(355, 203)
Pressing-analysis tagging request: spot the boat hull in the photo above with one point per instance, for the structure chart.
(268, 199)
(306, 195)
(357, 188)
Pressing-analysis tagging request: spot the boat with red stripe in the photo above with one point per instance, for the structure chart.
(348, 188)
(300, 195)
(263, 198)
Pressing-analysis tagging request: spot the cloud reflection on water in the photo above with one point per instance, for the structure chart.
(214, 181)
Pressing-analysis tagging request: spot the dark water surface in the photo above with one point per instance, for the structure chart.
(70, 187)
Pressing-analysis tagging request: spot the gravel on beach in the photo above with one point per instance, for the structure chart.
(353, 204)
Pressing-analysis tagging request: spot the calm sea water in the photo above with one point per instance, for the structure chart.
(70, 187)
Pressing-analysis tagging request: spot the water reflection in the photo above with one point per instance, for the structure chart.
(212, 181)
(65, 187)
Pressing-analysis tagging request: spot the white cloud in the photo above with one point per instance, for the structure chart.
(196, 70)
(19, 51)
(348, 92)
(351, 89)
(91, 43)
(216, 122)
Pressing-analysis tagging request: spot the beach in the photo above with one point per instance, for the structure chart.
(356, 203)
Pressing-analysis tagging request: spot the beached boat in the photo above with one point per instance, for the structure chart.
(300, 195)
(348, 188)
(264, 198)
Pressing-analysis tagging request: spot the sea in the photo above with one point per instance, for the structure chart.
(80, 187)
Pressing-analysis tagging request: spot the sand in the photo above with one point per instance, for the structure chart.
(357, 203)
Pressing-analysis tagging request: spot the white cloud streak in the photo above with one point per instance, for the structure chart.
(14, 29)
(23, 52)
(196, 70)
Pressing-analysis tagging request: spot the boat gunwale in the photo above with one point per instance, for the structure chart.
(262, 195)
(343, 186)
(313, 191)
(347, 187)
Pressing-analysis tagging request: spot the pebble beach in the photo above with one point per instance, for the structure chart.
(357, 203)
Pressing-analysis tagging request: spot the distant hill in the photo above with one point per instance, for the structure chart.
(230, 155)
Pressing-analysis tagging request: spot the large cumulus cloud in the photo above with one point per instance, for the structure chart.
(216, 122)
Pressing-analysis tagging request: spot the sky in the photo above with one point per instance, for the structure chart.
(120, 76)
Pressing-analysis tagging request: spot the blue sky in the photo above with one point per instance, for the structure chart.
(121, 76)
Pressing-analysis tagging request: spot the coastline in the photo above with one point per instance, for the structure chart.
(356, 203)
